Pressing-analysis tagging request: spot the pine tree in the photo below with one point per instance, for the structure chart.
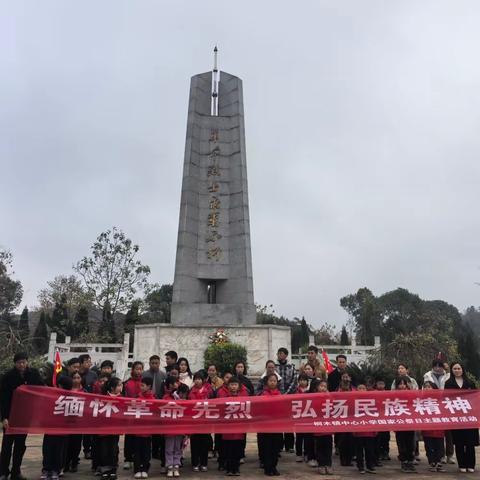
(344, 340)
(132, 317)
(40, 336)
(23, 326)
(81, 322)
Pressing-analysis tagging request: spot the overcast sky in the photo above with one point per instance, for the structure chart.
(362, 129)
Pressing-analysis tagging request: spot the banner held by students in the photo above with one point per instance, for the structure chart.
(55, 411)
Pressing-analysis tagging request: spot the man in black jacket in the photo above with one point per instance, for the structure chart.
(21, 374)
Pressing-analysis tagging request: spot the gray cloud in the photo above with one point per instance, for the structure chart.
(362, 139)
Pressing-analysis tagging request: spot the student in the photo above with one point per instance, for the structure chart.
(434, 441)
(270, 444)
(53, 446)
(174, 443)
(89, 378)
(106, 368)
(98, 386)
(345, 440)
(365, 446)
(222, 392)
(437, 375)
(200, 442)
(142, 451)
(382, 440)
(173, 372)
(301, 442)
(20, 374)
(465, 440)
(270, 369)
(107, 445)
(232, 443)
(213, 379)
(323, 441)
(405, 439)
(132, 389)
(185, 374)
(317, 364)
(74, 442)
(73, 365)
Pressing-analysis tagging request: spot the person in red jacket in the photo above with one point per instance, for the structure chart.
(270, 444)
(142, 444)
(199, 442)
(323, 441)
(365, 446)
(132, 389)
(232, 443)
(434, 441)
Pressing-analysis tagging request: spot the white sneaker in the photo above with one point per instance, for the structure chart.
(470, 470)
(204, 468)
(450, 460)
(463, 470)
(144, 475)
(176, 471)
(313, 463)
(196, 469)
(138, 475)
(170, 472)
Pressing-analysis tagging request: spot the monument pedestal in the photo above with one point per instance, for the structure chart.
(261, 342)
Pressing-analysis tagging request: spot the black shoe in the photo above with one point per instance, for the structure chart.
(87, 455)
(276, 472)
(73, 468)
(18, 476)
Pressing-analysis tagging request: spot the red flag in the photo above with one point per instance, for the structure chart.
(326, 362)
(57, 368)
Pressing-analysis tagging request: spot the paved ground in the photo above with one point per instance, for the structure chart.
(287, 466)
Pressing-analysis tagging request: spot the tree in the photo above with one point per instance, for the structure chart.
(23, 326)
(344, 340)
(325, 335)
(59, 321)
(106, 330)
(113, 274)
(224, 355)
(132, 317)
(40, 336)
(68, 291)
(159, 302)
(11, 290)
(362, 307)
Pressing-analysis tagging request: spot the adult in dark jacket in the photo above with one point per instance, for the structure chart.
(335, 376)
(240, 371)
(21, 374)
(465, 440)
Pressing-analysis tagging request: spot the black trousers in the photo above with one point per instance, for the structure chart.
(199, 449)
(449, 449)
(142, 453)
(434, 448)
(288, 441)
(158, 447)
(323, 450)
(73, 449)
(406, 445)
(232, 452)
(129, 448)
(382, 445)
(309, 446)
(218, 447)
(365, 452)
(108, 453)
(53, 450)
(269, 446)
(15, 443)
(300, 449)
(346, 448)
(87, 443)
(465, 454)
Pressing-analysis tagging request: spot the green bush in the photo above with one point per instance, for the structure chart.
(224, 355)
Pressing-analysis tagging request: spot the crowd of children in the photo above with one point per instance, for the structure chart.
(368, 450)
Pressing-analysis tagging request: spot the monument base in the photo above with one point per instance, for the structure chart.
(218, 314)
(261, 342)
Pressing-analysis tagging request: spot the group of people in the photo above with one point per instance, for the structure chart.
(176, 381)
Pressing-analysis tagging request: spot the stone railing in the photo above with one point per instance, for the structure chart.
(118, 353)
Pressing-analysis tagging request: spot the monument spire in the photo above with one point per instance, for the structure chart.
(214, 109)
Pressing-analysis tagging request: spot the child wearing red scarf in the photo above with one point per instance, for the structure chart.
(199, 443)
(132, 388)
(270, 444)
(232, 443)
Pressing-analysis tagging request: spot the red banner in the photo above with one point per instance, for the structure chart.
(55, 411)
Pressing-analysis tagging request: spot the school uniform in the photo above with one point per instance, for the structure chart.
(269, 444)
(73, 448)
(232, 443)
(142, 444)
(131, 389)
(199, 442)
(365, 450)
(301, 439)
(173, 444)
(323, 448)
(434, 445)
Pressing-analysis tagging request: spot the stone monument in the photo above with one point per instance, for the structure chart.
(213, 285)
